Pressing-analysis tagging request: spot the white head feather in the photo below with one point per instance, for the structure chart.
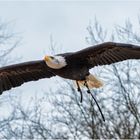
(55, 62)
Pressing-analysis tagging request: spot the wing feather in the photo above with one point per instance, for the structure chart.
(106, 53)
(16, 75)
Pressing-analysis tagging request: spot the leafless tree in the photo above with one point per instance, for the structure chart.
(119, 98)
(26, 122)
(8, 42)
(67, 118)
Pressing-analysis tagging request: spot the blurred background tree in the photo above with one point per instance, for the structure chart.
(67, 118)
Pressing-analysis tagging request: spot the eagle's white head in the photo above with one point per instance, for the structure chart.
(55, 62)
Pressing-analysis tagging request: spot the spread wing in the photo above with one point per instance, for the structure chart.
(106, 53)
(15, 75)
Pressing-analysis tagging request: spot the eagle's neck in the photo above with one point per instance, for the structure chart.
(57, 63)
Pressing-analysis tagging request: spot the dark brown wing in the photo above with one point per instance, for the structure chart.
(106, 53)
(15, 75)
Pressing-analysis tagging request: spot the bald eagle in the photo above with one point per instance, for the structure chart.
(74, 65)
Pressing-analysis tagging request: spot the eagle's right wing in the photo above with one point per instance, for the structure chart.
(105, 54)
(16, 75)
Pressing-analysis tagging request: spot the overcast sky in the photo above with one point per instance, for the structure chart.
(66, 21)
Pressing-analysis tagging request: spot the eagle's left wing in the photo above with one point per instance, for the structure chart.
(106, 53)
(16, 75)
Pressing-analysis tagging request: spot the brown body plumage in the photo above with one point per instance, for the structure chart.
(76, 68)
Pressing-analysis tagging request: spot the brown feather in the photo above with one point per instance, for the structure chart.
(106, 53)
(16, 75)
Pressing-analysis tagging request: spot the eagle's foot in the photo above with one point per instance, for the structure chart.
(86, 85)
(79, 90)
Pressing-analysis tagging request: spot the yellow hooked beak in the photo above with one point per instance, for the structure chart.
(47, 58)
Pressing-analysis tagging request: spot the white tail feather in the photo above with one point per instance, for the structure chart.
(92, 82)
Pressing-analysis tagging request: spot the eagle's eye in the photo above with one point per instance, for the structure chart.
(51, 57)
(48, 58)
